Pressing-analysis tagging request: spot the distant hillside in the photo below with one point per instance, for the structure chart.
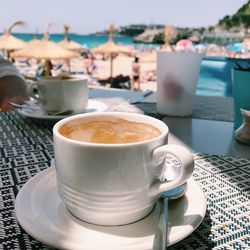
(229, 29)
(240, 19)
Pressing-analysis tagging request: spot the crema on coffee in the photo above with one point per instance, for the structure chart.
(113, 131)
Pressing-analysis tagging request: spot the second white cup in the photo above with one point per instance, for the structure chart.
(61, 94)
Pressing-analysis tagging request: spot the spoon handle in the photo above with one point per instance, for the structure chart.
(160, 239)
(23, 106)
(165, 224)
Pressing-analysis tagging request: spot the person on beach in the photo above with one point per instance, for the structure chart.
(136, 70)
(12, 85)
(89, 64)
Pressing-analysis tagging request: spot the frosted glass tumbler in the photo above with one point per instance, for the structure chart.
(177, 77)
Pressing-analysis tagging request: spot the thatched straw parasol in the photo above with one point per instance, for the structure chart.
(170, 33)
(69, 44)
(34, 41)
(9, 42)
(44, 49)
(111, 48)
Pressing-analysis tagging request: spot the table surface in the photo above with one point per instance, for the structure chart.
(26, 148)
(209, 129)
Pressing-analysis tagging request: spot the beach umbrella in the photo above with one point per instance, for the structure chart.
(9, 42)
(111, 48)
(238, 47)
(170, 33)
(44, 49)
(34, 40)
(69, 44)
(31, 42)
(184, 44)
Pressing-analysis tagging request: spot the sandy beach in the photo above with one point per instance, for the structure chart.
(121, 65)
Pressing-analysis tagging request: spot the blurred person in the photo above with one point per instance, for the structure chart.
(89, 64)
(12, 85)
(136, 71)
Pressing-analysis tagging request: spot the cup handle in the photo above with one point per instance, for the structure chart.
(33, 91)
(186, 161)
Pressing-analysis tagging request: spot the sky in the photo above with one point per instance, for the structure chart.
(90, 16)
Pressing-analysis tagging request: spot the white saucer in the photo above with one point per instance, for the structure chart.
(93, 106)
(41, 213)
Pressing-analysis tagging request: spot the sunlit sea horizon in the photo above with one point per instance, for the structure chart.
(88, 41)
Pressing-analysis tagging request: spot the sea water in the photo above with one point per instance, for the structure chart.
(88, 41)
(215, 73)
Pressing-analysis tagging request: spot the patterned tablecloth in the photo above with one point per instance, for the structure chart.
(26, 149)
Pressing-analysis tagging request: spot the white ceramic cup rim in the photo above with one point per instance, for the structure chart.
(57, 78)
(187, 53)
(154, 122)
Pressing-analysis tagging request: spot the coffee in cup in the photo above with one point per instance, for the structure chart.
(112, 131)
(114, 178)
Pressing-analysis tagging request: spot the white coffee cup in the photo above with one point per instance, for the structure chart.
(177, 78)
(114, 184)
(61, 94)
